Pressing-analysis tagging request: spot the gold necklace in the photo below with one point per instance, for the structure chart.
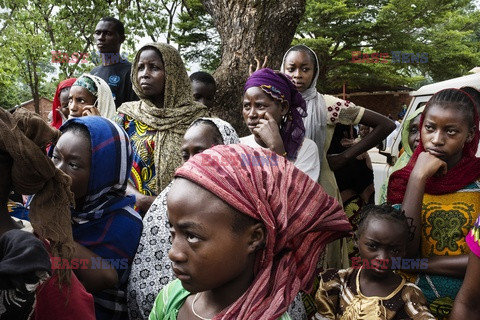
(193, 309)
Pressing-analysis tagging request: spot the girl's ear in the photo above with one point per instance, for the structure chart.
(257, 237)
(471, 133)
(284, 107)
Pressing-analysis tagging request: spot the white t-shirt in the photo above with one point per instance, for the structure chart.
(307, 159)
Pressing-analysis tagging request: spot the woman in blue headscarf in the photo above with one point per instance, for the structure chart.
(96, 153)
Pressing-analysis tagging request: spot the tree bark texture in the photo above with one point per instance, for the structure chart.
(249, 29)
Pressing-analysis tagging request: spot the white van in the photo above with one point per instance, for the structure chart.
(383, 160)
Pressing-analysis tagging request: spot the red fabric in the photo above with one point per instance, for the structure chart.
(71, 302)
(462, 174)
(56, 118)
(299, 217)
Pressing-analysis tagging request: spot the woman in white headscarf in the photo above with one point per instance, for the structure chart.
(91, 96)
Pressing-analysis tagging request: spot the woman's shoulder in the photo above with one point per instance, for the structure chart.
(341, 111)
(339, 276)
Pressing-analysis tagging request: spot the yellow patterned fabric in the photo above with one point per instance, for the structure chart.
(339, 297)
(169, 122)
(446, 220)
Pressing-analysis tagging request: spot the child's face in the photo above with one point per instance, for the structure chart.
(256, 104)
(203, 92)
(64, 101)
(381, 239)
(78, 99)
(445, 132)
(300, 67)
(151, 74)
(414, 133)
(197, 139)
(72, 155)
(206, 254)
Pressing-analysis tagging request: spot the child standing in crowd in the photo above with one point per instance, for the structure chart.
(374, 291)
(440, 191)
(24, 136)
(323, 113)
(410, 141)
(90, 96)
(96, 154)
(246, 236)
(203, 87)
(156, 124)
(273, 111)
(60, 109)
(151, 268)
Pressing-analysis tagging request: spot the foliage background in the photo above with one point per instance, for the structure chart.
(448, 30)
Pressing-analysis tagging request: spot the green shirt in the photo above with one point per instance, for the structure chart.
(170, 300)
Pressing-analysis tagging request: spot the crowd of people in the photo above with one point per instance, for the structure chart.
(134, 202)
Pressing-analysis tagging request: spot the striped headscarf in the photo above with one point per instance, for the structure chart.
(109, 170)
(299, 218)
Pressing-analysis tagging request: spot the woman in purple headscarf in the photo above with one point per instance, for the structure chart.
(273, 110)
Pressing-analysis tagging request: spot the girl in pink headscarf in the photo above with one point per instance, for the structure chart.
(247, 229)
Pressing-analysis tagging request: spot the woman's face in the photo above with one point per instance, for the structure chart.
(206, 253)
(256, 103)
(72, 155)
(414, 133)
(151, 75)
(300, 67)
(78, 99)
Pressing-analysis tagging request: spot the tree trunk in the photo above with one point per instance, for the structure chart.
(249, 29)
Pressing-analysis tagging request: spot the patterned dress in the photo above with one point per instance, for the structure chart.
(446, 220)
(142, 139)
(340, 297)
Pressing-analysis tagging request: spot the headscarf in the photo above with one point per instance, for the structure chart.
(281, 88)
(173, 119)
(464, 172)
(316, 121)
(110, 167)
(402, 161)
(152, 254)
(407, 151)
(100, 89)
(56, 117)
(24, 135)
(299, 218)
(229, 135)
